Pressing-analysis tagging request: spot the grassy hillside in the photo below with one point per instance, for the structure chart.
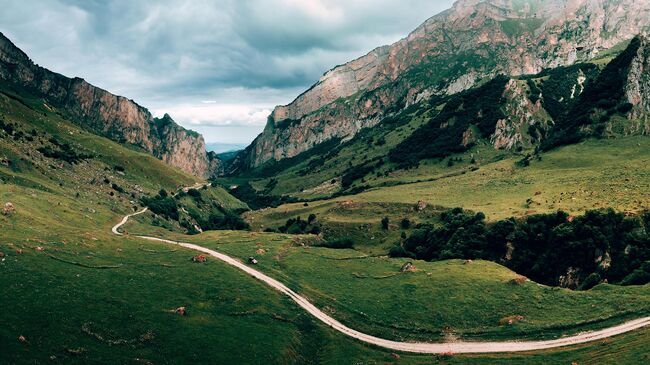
(452, 135)
(434, 301)
(74, 293)
(592, 175)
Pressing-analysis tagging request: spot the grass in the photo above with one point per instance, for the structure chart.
(79, 295)
(437, 301)
(592, 175)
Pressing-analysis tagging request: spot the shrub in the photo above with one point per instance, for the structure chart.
(406, 223)
(341, 243)
(385, 223)
(117, 188)
(590, 281)
(194, 193)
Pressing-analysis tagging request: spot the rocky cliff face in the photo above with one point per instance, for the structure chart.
(115, 117)
(637, 89)
(451, 52)
(526, 122)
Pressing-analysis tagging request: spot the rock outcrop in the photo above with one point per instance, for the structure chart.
(449, 53)
(637, 89)
(112, 116)
(526, 122)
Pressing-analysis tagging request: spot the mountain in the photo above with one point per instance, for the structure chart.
(112, 116)
(456, 50)
(219, 148)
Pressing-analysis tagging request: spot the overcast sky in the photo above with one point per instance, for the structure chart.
(218, 67)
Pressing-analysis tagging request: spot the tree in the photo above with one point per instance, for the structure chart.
(385, 222)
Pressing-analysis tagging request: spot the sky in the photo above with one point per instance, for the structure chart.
(218, 67)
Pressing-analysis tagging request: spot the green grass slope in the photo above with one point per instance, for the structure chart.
(79, 295)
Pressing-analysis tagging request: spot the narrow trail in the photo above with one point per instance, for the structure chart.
(413, 347)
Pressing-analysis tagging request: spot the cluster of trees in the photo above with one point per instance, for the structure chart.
(224, 220)
(552, 249)
(218, 217)
(63, 151)
(359, 172)
(300, 226)
(163, 205)
(442, 136)
(259, 200)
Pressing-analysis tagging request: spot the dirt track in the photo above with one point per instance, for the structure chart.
(414, 347)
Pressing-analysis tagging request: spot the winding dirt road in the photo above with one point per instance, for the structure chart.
(413, 347)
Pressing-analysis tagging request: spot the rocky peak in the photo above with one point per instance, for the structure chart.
(112, 116)
(451, 52)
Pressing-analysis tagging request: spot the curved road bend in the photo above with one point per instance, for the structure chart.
(413, 347)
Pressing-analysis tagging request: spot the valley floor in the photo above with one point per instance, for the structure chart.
(457, 347)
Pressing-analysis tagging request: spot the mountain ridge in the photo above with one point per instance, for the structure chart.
(116, 117)
(450, 52)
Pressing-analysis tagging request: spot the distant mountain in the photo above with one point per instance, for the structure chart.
(219, 148)
(115, 117)
(454, 51)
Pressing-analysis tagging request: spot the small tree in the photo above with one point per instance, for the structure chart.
(385, 223)
(311, 218)
(406, 223)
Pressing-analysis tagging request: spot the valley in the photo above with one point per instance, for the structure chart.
(476, 193)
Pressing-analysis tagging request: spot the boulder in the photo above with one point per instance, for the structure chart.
(8, 209)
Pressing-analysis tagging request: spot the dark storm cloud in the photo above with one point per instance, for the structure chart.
(209, 63)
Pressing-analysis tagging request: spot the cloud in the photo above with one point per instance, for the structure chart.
(221, 64)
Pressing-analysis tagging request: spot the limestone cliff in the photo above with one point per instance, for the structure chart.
(450, 52)
(112, 116)
(637, 90)
(526, 122)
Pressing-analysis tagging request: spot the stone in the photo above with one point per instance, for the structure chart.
(8, 209)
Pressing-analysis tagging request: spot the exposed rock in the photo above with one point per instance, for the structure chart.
(637, 89)
(470, 137)
(571, 279)
(498, 36)
(112, 116)
(510, 320)
(8, 209)
(522, 114)
(407, 267)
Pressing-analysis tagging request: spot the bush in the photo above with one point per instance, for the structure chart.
(194, 193)
(341, 243)
(406, 223)
(117, 188)
(591, 281)
(399, 251)
(385, 223)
